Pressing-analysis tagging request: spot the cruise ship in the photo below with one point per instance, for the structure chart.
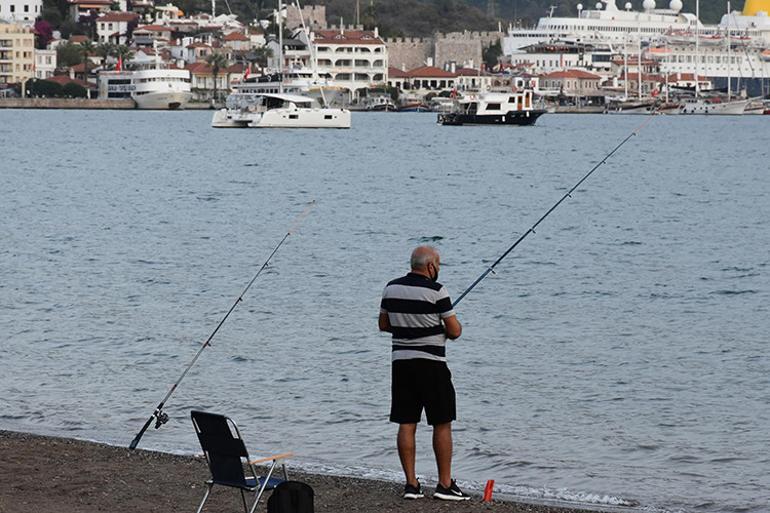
(733, 54)
(151, 87)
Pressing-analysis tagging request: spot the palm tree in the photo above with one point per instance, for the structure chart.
(104, 50)
(87, 48)
(124, 53)
(217, 61)
(259, 55)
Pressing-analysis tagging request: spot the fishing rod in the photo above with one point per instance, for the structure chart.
(159, 415)
(491, 268)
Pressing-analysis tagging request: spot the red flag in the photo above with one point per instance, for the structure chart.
(120, 63)
(248, 72)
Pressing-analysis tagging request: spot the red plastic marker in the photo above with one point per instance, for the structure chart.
(488, 491)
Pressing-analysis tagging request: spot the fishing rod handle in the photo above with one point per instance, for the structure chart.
(141, 432)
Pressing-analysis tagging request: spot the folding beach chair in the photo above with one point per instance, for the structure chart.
(226, 455)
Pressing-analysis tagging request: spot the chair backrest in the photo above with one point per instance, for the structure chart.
(222, 446)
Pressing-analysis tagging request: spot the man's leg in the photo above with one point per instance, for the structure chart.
(406, 451)
(442, 447)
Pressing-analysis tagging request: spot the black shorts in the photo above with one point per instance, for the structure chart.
(418, 384)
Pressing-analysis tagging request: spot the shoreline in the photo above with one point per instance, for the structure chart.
(68, 475)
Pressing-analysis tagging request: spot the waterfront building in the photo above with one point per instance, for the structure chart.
(473, 80)
(113, 27)
(45, 63)
(148, 35)
(20, 11)
(203, 82)
(17, 53)
(80, 8)
(237, 41)
(572, 82)
(166, 13)
(353, 59)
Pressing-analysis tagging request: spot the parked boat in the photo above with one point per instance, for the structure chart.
(493, 108)
(155, 88)
(714, 107)
(414, 107)
(278, 111)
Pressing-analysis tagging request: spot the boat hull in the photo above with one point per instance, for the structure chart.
(736, 108)
(163, 101)
(282, 118)
(520, 118)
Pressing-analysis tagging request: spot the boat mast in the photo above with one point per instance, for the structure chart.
(279, 14)
(697, 49)
(729, 55)
(639, 58)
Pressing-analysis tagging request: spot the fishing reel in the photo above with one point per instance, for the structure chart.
(161, 417)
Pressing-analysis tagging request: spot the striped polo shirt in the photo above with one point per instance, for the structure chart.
(415, 305)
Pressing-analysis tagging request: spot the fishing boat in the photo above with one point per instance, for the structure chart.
(493, 108)
(278, 111)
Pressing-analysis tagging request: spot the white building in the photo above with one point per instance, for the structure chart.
(45, 63)
(113, 26)
(20, 11)
(355, 59)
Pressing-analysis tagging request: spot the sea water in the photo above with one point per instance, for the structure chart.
(617, 357)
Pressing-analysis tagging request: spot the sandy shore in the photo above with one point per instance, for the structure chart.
(67, 476)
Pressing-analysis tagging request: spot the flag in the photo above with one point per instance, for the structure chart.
(119, 67)
(248, 72)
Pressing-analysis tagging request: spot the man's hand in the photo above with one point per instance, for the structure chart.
(452, 327)
(385, 323)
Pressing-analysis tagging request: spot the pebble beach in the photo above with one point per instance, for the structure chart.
(64, 475)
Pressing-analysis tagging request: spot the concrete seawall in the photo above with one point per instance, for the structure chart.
(66, 103)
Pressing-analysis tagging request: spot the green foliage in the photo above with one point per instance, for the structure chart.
(43, 89)
(68, 55)
(491, 54)
(73, 90)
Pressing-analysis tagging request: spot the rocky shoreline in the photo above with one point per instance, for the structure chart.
(41, 473)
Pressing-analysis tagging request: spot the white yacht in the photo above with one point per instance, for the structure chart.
(277, 110)
(150, 84)
(265, 103)
(714, 107)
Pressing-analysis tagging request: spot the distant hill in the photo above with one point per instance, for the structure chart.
(423, 17)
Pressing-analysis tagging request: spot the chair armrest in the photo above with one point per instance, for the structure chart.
(282, 456)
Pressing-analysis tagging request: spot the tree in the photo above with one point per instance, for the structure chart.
(217, 61)
(259, 55)
(74, 90)
(124, 53)
(104, 50)
(68, 55)
(44, 88)
(43, 33)
(491, 55)
(87, 48)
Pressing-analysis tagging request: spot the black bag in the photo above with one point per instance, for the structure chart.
(291, 497)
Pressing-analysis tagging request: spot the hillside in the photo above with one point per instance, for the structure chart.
(415, 17)
(422, 17)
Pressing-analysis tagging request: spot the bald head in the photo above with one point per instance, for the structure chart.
(424, 257)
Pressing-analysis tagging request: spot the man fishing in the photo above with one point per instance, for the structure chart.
(417, 310)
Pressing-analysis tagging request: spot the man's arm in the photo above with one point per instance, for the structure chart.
(452, 327)
(385, 322)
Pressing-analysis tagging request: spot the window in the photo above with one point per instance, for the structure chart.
(26, 8)
(328, 116)
(493, 106)
(293, 116)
